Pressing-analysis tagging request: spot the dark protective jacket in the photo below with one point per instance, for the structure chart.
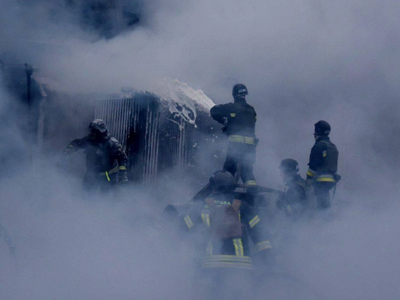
(295, 192)
(101, 156)
(239, 117)
(323, 162)
(297, 198)
(228, 224)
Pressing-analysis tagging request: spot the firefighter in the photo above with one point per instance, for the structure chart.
(323, 165)
(239, 119)
(106, 162)
(297, 197)
(228, 224)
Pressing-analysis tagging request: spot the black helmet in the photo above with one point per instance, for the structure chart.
(239, 90)
(322, 128)
(222, 181)
(289, 165)
(98, 125)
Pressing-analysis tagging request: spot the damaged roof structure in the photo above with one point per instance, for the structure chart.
(161, 129)
(164, 129)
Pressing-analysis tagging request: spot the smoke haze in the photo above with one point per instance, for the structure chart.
(302, 61)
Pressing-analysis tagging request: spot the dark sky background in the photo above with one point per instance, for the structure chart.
(302, 61)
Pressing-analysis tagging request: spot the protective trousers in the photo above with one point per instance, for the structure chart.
(243, 154)
(322, 194)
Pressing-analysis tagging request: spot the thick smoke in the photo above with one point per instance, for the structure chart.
(302, 61)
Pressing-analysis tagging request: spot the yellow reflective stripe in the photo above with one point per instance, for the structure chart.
(233, 115)
(249, 140)
(325, 179)
(203, 217)
(108, 177)
(188, 222)
(122, 167)
(241, 139)
(238, 247)
(254, 221)
(230, 258)
(113, 170)
(311, 173)
(206, 219)
(250, 182)
(227, 261)
(240, 218)
(263, 245)
(289, 209)
(236, 138)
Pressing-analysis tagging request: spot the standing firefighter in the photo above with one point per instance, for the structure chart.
(323, 165)
(239, 119)
(105, 160)
(228, 223)
(297, 197)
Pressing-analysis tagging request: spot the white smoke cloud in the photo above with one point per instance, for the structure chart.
(302, 61)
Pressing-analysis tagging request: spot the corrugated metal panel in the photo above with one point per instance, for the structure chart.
(117, 115)
(135, 123)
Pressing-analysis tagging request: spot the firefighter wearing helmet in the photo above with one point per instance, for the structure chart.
(323, 164)
(106, 162)
(239, 119)
(296, 198)
(228, 224)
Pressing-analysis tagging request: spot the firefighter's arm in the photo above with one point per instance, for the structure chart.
(255, 114)
(281, 202)
(256, 228)
(193, 217)
(263, 254)
(220, 113)
(75, 145)
(316, 160)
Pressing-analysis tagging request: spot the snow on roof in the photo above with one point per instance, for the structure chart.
(182, 99)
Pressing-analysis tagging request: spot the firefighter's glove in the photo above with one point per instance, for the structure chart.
(68, 150)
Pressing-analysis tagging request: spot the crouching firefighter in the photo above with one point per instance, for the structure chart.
(106, 162)
(323, 165)
(229, 224)
(239, 119)
(298, 199)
